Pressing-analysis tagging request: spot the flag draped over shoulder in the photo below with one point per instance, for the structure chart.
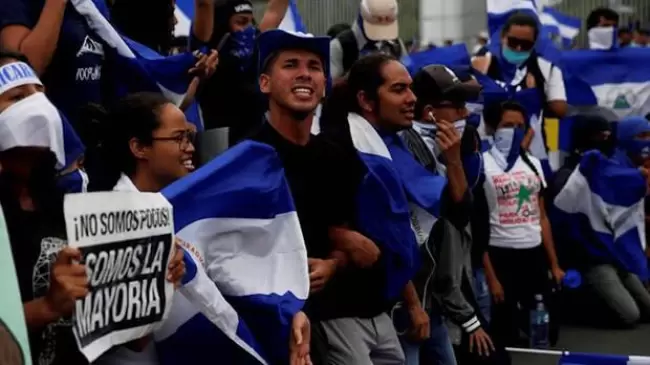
(383, 207)
(237, 219)
(134, 67)
(610, 196)
(624, 88)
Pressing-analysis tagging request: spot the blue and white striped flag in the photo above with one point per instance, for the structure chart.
(135, 67)
(383, 207)
(598, 359)
(558, 24)
(499, 11)
(239, 222)
(184, 12)
(610, 196)
(624, 88)
(292, 20)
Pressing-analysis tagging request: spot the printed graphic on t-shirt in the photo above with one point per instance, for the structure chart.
(517, 198)
(50, 247)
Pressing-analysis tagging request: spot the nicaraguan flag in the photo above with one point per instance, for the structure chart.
(558, 24)
(136, 68)
(383, 207)
(610, 197)
(239, 221)
(624, 88)
(598, 359)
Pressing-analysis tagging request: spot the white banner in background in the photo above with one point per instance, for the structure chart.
(126, 243)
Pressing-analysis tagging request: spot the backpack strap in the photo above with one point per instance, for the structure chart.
(349, 47)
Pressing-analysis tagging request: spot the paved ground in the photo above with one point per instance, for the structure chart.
(580, 339)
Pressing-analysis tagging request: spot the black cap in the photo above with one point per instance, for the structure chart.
(437, 83)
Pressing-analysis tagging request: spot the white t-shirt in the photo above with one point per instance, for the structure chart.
(121, 355)
(513, 202)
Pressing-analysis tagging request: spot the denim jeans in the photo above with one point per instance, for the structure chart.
(482, 293)
(436, 350)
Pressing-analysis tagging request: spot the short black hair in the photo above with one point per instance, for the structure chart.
(594, 17)
(521, 19)
(493, 112)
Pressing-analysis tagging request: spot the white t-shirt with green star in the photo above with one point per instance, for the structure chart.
(513, 202)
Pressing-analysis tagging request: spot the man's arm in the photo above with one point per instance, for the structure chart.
(275, 11)
(203, 24)
(39, 43)
(336, 60)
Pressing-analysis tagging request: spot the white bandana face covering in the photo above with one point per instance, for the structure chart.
(33, 121)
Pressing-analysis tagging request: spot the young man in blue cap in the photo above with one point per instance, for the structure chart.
(323, 177)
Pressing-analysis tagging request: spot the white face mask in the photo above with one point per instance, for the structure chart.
(602, 37)
(33, 122)
(429, 129)
(503, 138)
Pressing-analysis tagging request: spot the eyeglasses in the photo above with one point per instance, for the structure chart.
(184, 139)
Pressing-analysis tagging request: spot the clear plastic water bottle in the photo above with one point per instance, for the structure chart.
(539, 324)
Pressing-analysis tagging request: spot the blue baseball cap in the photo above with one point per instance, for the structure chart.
(276, 40)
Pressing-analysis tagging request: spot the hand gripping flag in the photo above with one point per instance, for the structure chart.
(610, 197)
(237, 219)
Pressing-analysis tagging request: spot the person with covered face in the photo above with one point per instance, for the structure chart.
(35, 146)
(521, 248)
(613, 294)
(231, 98)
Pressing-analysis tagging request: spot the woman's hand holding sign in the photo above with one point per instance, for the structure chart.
(68, 282)
(176, 269)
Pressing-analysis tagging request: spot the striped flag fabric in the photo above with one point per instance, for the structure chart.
(236, 218)
(610, 197)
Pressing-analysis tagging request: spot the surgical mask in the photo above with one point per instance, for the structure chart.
(508, 141)
(242, 43)
(516, 58)
(430, 129)
(33, 122)
(73, 182)
(602, 37)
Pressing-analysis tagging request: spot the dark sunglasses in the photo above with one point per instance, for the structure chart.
(515, 43)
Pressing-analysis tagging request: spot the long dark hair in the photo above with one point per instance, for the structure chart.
(364, 75)
(109, 153)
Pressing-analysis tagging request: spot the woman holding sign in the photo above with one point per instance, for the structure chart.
(51, 279)
(147, 144)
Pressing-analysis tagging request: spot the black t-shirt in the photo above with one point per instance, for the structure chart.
(36, 239)
(324, 177)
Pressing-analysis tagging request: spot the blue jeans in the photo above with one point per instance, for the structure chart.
(482, 293)
(437, 349)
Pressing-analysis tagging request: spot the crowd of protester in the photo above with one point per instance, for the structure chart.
(497, 242)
